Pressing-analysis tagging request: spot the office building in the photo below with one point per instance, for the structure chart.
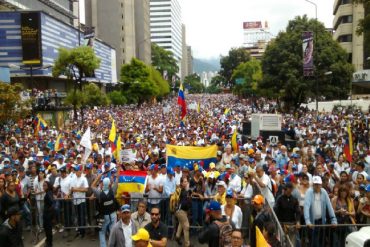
(256, 38)
(142, 31)
(184, 59)
(114, 22)
(165, 26)
(346, 18)
(189, 60)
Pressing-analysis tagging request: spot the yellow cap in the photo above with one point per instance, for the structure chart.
(212, 165)
(141, 234)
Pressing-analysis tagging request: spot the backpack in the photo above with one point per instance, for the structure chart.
(225, 231)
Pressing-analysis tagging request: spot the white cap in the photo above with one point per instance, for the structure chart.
(40, 154)
(79, 156)
(316, 180)
(221, 183)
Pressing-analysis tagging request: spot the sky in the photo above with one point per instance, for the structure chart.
(215, 26)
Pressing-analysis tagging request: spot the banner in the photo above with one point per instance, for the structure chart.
(131, 181)
(31, 38)
(188, 155)
(307, 47)
(128, 156)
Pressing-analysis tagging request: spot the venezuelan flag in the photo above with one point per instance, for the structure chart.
(42, 123)
(187, 155)
(113, 137)
(226, 112)
(58, 143)
(117, 152)
(181, 101)
(131, 181)
(348, 146)
(260, 239)
(234, 142)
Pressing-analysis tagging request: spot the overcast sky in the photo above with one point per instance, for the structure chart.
(214, 26)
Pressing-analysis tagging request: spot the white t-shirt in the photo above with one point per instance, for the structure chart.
(178, 177)
(154, 183)
(65, 185)
(266, 191)
(235, 183)
(247, 191)
(79, 182)
(38, 187)
(237, 216)
(127, 232)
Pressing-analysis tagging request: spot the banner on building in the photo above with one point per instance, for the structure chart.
(89, 35)
(31, 38)
(252, 25)
(307, 46)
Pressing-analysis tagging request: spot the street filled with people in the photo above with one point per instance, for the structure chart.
(316, 188)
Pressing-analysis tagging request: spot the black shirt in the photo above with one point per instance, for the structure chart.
(287, 209)
(157, 233)
(211, 234)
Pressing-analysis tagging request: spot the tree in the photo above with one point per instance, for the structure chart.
(164, 87)
(364, 28)
(218, 81)
(117, 98)
(228, 63)
(213, 89)
(12, 107)
(193, 84)
(247, 77)
(77, 64)
(137, 85)
(164, 61)
(283, 71)
(94, 96)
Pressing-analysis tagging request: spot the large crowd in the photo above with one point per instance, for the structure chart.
(308, 185)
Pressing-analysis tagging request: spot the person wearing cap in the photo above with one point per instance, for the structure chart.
(221, 192)
(158, 231)
(183, 206)
(262, 216)
(169, 187)
(79, 187)
(123, 230)
(141, 238)
(316, 206)
(62, 186)
(11, 229)
(154, 187)
(231, 210)
(282, 158)
(364, 207)
(288, 211)
(211, 233)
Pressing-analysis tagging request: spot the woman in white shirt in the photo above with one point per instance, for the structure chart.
(40, 193)
(232, 211)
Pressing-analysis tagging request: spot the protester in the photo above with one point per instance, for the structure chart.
(158, 231)
(141, 217)
(237, 239)
(232, 211)
(261, 216)
(123, 230)
(141, 238)
(10, 230)
(49, 213)
(181, 214)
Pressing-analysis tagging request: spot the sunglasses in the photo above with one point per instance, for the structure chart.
(155, 214)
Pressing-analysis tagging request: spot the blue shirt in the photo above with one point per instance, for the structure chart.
(169, 186)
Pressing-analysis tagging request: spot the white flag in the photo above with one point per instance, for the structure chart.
(86, 142)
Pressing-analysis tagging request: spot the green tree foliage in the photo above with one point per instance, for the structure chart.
(249, 75)
(213, 89)
(164, 60)
(193, 84)
(218, 81)
(12, 107)
(229, 63)
(164, 87)
(77, 64)
(91, 95)
(283, 71)
(138, 86)
(117, 98)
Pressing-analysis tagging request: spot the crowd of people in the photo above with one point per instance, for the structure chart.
(44, 99)
(308, 185)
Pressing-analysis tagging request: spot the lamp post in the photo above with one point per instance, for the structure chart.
(315, 56)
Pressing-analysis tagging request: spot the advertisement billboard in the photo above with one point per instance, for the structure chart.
(307, 48)
(252, 25)
(31, 38)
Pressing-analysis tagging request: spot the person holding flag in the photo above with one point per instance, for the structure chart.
(182, 103)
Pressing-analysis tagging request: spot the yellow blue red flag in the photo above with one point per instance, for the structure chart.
(131, 181)
(188, 155)
(58, 143)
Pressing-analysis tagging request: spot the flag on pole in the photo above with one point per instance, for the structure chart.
(113, 137)
(117, 152)
(348, 146)
(227, 110)
(234, 142)
(58, 143)
(260, 239)
(181, 101)
(198, 107)
(40, 124)
(86, 143)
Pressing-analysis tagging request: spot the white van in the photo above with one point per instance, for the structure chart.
(360, 238)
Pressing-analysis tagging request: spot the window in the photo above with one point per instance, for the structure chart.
(345, 2)
(345, 38)
(347, 19)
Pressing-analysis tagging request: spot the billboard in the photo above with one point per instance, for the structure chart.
(307, 48)
(252, 25)
(31, 38)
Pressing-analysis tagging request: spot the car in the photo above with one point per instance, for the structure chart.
(361, 238)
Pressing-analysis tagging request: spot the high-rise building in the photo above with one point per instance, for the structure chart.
(256, 38)
(142, 30)
(114, 22)
(184, 59)
(346, 18)
(165, 26)
(190, 60)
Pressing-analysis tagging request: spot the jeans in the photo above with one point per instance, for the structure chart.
(81, 217)
(67, 212)
(197, 211)
(109, 221)
(26, 214)
(317, 235)
(40, 211)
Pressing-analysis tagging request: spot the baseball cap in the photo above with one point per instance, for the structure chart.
(89, 166)
(258, 199)
(288, 185)
(221, 183)
(229, 193)
(153, 167)
(316, 180)
(367, 188)
(250, 160)
(126, 208)
(214, 206)
(362, 187)
(6, 160)
(141, 234)
(13, 211)
(77, 168)
(212, 165)
(170, 171)
(106, 164)
(228, 166)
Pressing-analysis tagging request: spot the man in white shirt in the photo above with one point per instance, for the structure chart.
(120, 235)
(264, 182)
(235, 182)
(154, 187)
(178, 174)
(79, 186)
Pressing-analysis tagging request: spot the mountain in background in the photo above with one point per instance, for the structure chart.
(200, 65)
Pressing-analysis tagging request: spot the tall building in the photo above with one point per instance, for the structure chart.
(142, 31)
(189, 60)
(165, 26)
(346, 18)
(184, 59)
(256, 38)
(114, 22)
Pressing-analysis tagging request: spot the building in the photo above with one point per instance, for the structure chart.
(346, 18)
(29, 43)
(165, 26)
(142, 31)
(184, 59)
(64, 10)
(256, 38)
(114, 22)
(189, 60)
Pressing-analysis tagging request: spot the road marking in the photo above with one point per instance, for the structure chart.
(42, 241)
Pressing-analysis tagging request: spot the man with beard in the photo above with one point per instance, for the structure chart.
(158, 231)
